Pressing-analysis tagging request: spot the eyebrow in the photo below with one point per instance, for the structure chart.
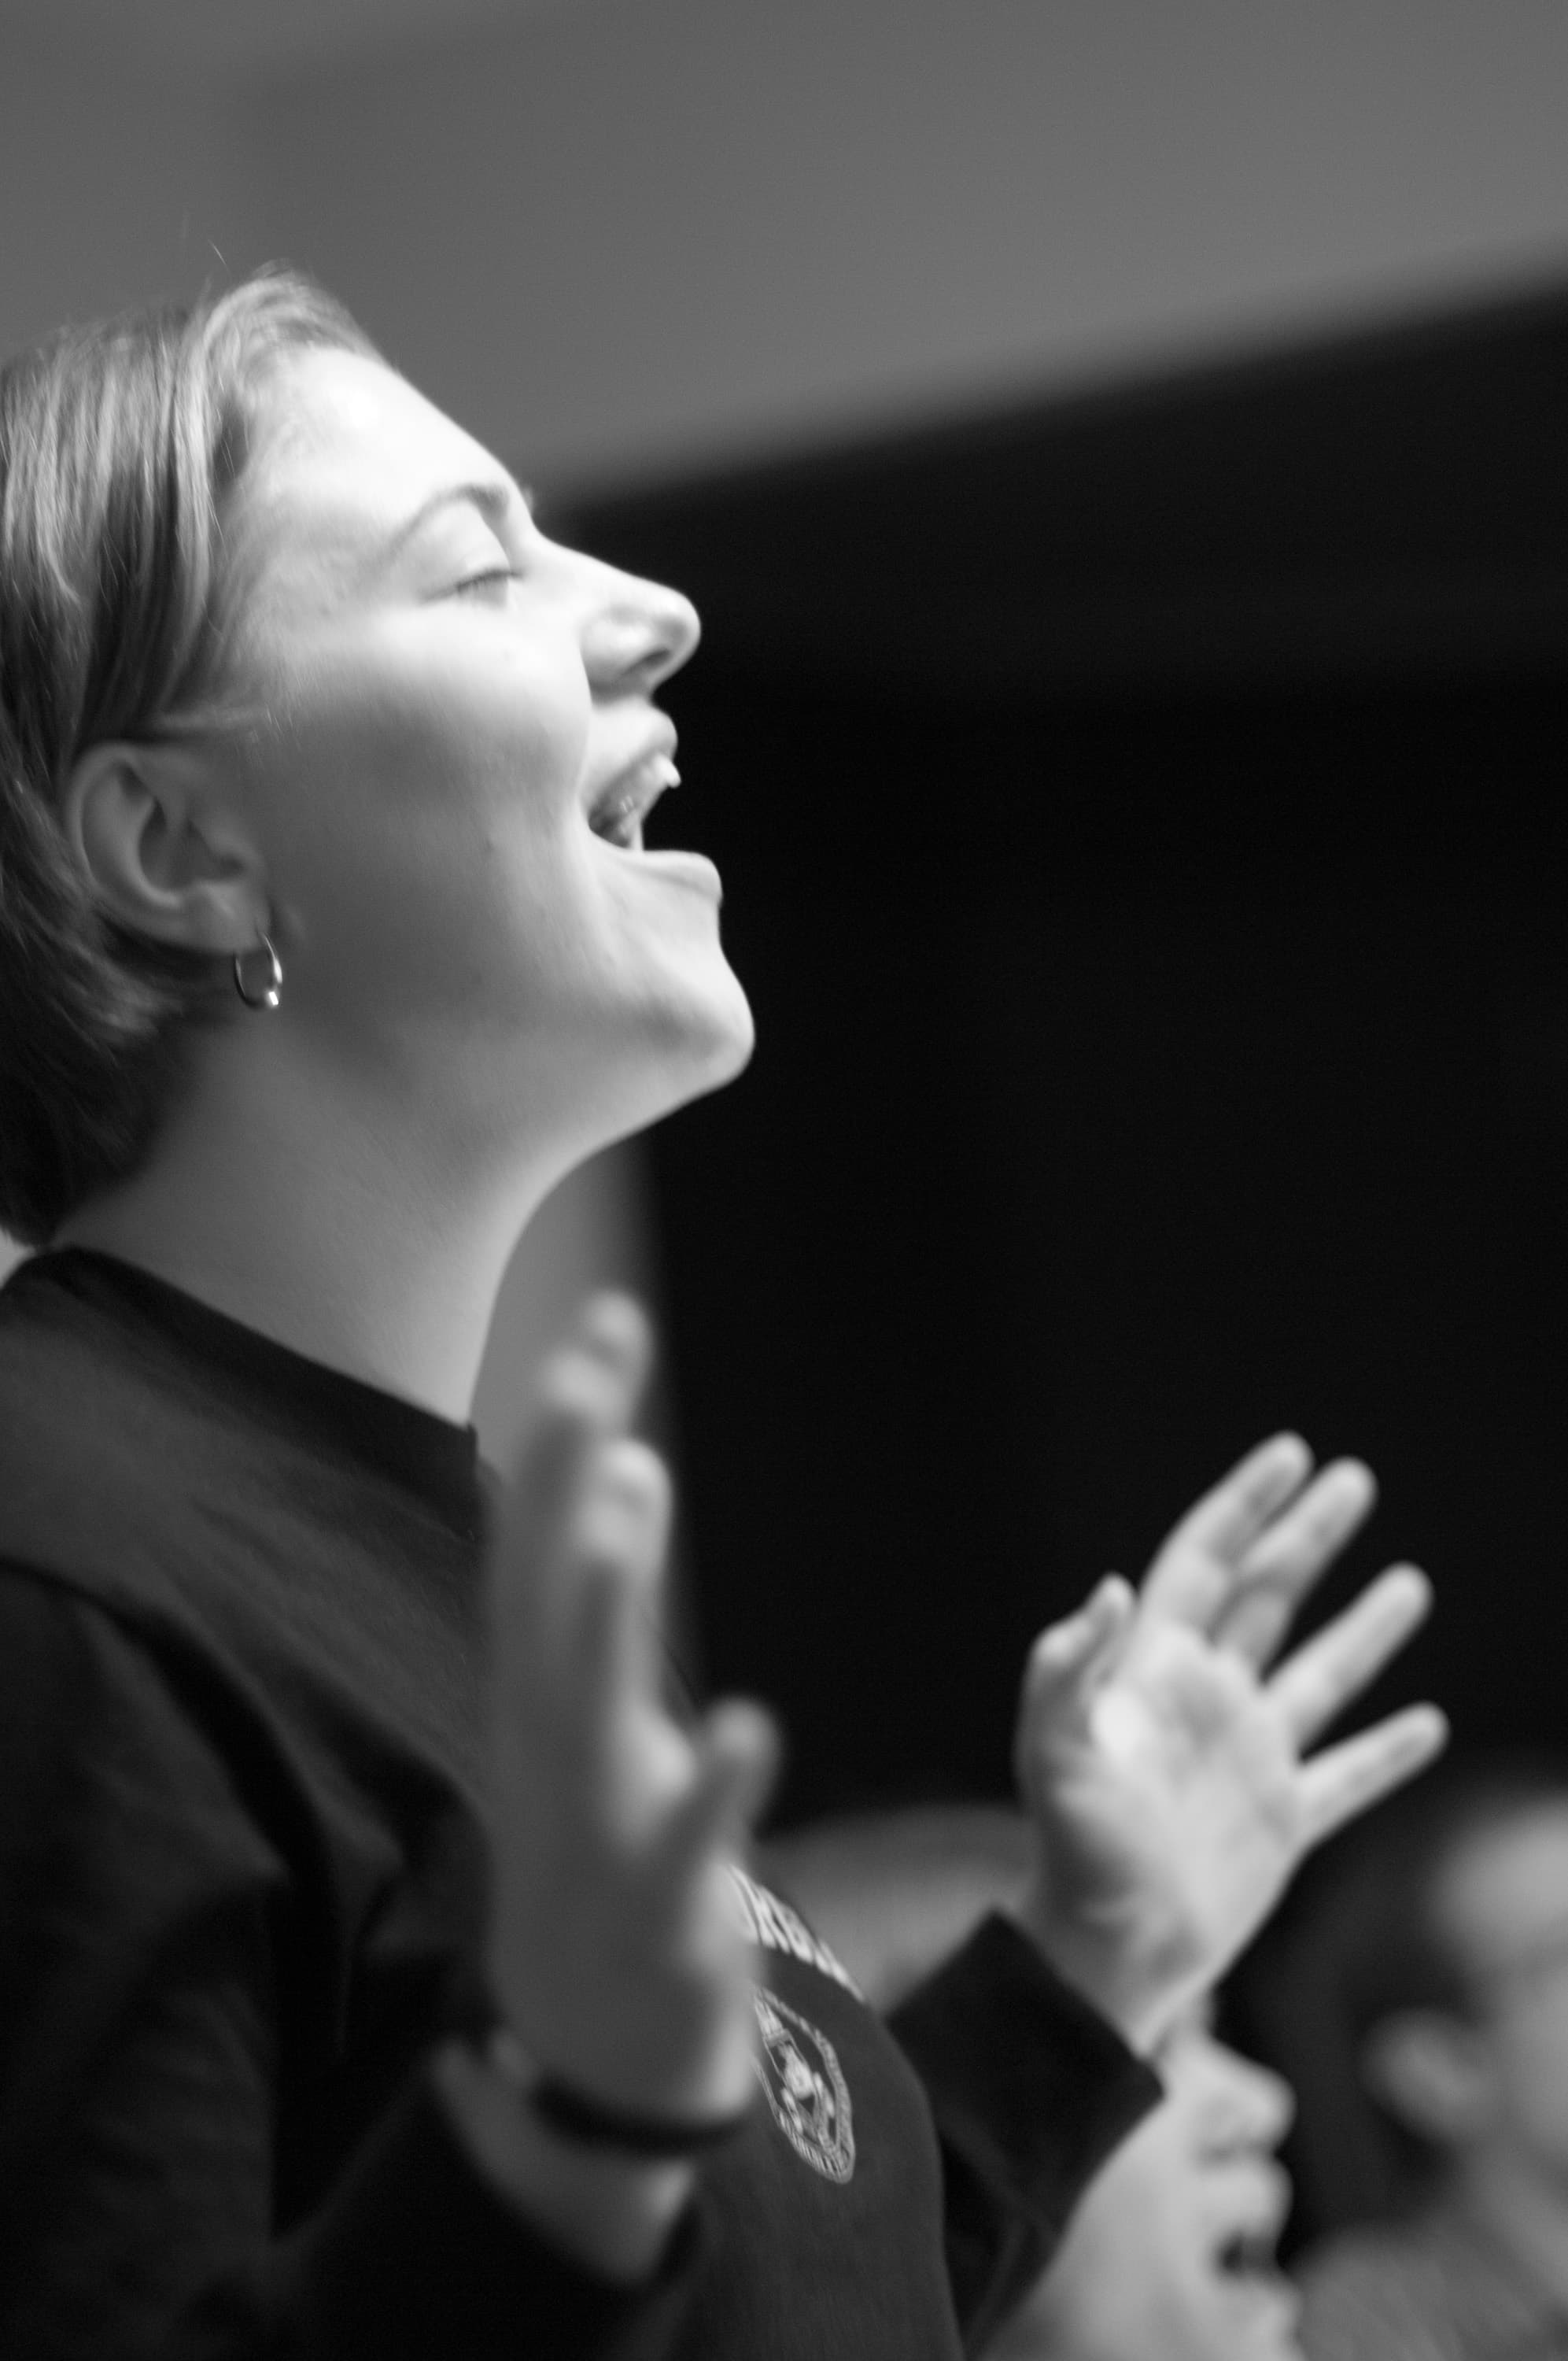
(495, 497)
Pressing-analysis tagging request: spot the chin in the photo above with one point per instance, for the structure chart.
(720, 1057)
(686, 1050)
(1260, 2319)
(713, 1033)
(740, 1041)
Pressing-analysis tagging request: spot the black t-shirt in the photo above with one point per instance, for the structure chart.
(242, 1885)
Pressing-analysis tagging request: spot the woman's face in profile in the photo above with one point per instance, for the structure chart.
(462, 745)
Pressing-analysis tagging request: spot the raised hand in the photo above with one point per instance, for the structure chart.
(1163, 1765)
(615, 1950)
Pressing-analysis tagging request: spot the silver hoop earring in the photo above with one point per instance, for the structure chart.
(271, 991)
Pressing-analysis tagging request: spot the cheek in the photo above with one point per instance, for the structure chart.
(424, 720)
(1535, 2064)
(415, 809)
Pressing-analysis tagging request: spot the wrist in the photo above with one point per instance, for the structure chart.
(577, 2116)
(609, 2207)
(1140, 1988)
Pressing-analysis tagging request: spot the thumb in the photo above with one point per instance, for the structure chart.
(1070, 1663)
(738, 1755)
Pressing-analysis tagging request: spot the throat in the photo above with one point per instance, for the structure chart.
(324, 1244)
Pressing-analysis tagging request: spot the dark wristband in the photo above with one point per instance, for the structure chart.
(582, 2118)
(577, 2117)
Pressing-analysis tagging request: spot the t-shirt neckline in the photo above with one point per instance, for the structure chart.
(434, 1459)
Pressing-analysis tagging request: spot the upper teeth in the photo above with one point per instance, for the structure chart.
(648, 781)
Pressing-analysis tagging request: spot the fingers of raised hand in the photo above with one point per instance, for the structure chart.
(1345, 1779)
(1281, 1565)
(616, 1544)
(589, 1385)
(1195, 1572)
(586, 1394)
(1333, 1667)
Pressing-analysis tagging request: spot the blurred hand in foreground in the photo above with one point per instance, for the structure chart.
(616, 1950)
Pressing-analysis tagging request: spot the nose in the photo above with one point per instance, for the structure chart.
(1249, 2105)
(636, 633)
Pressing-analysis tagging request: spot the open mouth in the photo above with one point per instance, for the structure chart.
(618, 812)
(1244, 2236)
(1246, 2254)
(1263, 2303)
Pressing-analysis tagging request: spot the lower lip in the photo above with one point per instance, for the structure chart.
(693, 869)
(1268, 2299)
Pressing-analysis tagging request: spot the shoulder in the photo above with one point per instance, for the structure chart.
(107, 1746)
(234, 1510)
(92, 1443)
(138, 1469)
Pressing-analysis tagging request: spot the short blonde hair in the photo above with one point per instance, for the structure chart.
(122, 444)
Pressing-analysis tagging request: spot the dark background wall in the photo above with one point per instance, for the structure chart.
(1130, 1082)
(1141, 826)
(1145, 839)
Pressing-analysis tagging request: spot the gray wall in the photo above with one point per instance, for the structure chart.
(624, 232)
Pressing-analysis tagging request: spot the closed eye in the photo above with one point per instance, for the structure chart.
(495, 580)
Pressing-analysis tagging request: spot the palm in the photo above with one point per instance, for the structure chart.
(1163, 1766)
(1185, 1787)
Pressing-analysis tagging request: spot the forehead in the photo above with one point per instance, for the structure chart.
(1511, 1879)
(347, 452)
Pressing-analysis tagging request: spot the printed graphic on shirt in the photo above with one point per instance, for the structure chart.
(766, 1920)
(798, 2068)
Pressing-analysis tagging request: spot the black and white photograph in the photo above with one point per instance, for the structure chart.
(784, 1181)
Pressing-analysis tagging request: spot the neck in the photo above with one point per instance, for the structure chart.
(281, 1194)
(1523, 2213)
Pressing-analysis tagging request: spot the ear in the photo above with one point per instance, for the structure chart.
(165, 846)
(1431, 2069)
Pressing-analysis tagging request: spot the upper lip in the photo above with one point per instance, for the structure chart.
(605, 786)
(1254, 2210)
